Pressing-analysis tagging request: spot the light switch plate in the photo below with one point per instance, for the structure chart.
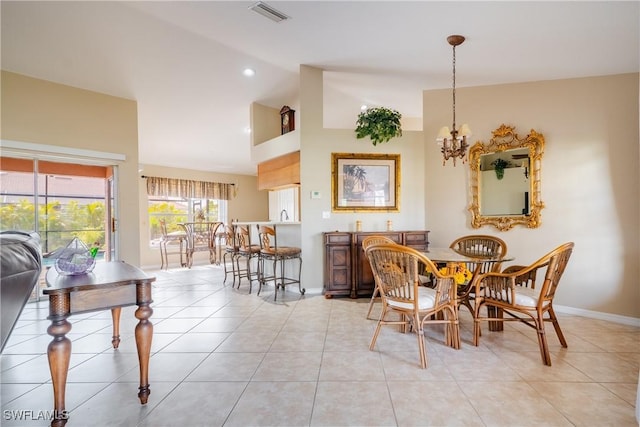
(326, 214)
(315, 195)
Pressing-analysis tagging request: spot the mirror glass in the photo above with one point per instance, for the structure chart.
(505, 180)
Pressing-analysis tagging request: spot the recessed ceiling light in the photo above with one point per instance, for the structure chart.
(249, 72)
(363, 107)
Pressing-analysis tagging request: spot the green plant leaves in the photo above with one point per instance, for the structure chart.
(379, 123)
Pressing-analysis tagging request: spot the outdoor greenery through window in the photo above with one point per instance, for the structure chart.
(68, 207)
(175, 210)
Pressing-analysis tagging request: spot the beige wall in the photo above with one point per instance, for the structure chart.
(250, 204)
(41, 112)
(316, 146)
(265, 123)
(590, 180)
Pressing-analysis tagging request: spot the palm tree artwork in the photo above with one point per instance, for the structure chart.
(354, 182)
(366, 183)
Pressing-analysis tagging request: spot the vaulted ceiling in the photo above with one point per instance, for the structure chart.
(182, 61)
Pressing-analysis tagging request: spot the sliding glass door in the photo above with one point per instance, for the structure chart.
(59, 201)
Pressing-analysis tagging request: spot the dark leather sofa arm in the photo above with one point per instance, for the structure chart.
(20, 267)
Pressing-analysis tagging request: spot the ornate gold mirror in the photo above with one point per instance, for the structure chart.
(505, 180)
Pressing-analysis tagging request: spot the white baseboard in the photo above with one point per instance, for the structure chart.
(626, 320)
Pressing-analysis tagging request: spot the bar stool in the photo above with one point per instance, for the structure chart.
(230, 250)
(275, 254)
(248, 252)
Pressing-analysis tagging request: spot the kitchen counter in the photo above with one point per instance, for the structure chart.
(289, 233)
(276, 223)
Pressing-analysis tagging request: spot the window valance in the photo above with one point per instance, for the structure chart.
(188, 189)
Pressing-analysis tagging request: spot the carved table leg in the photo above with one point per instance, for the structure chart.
(115, 315)
(144, 335)
(59, 354)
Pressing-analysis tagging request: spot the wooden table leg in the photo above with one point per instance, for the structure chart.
(115, 315)
(59, 354)
(144, 335)
(496, 313)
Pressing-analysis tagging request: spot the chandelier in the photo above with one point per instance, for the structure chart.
(454, 141)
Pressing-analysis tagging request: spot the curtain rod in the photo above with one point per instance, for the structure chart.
(145, 176)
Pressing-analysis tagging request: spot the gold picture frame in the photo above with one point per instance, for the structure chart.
(365, 182)
(505, 140)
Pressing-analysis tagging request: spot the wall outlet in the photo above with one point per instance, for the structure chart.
(315, 195)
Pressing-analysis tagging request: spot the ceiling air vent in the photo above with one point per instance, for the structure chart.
(269, 12)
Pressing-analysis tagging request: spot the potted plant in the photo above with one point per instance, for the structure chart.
(379, 123)
(499, 165)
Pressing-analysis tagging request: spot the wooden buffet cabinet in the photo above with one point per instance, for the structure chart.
(346, 268)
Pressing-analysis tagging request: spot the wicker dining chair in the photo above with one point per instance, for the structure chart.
(396, 271)
(175, 240)
(368, 241)
(502, 294)
(478, 246)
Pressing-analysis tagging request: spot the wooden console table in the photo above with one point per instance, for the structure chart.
(346, 269)
(111, 285)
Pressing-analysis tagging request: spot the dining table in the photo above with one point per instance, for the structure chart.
(201, 236)
(448, 257)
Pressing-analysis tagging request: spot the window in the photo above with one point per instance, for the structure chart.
(68, 204)
(174, 210)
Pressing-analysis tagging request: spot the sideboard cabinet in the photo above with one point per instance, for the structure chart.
(346, 269)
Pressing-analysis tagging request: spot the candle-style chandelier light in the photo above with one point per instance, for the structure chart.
(454, 141)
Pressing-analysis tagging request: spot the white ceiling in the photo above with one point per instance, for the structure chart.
(182, 61)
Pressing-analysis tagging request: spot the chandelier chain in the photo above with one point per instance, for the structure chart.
(454, 88)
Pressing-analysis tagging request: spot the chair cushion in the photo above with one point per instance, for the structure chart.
(282, 251)
(426, 300)
(525, 297)
(424, 280)
(253, 249)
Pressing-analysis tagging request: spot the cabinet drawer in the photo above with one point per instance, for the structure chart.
(416, 239)
(396, 236)
(337, 238)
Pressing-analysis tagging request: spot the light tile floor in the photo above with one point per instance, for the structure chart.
(223, 357)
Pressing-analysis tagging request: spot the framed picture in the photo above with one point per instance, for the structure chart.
(365, 182)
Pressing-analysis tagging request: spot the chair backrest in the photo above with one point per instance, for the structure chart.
(553, 264)
(374, 240)
(243, 237)
(396, 270)
(481, 246)
(527, 280)
(266, 234)
(229, 236)
(556, 262)
(188, 228)
(212, 230)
